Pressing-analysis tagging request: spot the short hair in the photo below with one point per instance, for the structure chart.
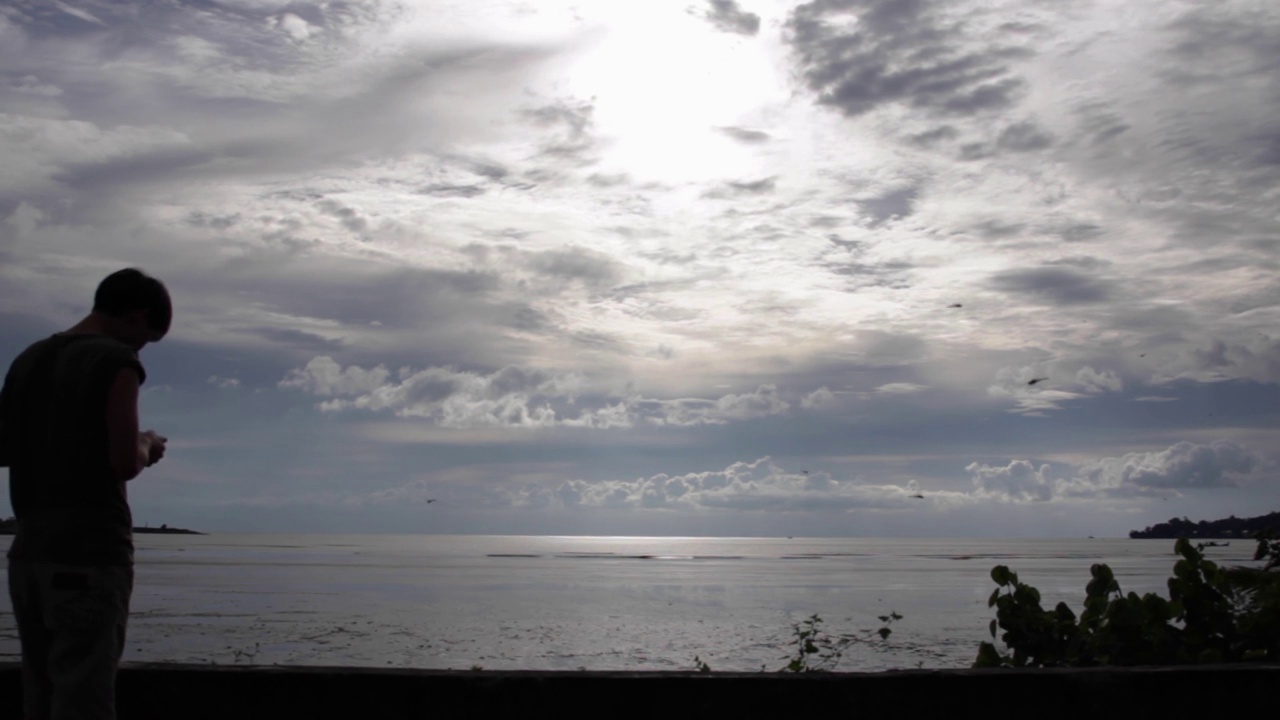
(125, 291)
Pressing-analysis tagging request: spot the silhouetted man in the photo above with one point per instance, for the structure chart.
(69, 436)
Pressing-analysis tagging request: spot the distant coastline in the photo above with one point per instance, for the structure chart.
(1232, 527)
(9, 525)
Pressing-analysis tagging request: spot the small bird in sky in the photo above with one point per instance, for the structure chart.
(955, 305)
(804, 472)
(1033, 381)
(918, 495)
(430, 500)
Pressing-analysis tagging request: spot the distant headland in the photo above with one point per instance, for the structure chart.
(9, 525)
(1232, 527)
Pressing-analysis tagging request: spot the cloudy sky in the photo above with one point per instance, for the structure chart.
(909, 267)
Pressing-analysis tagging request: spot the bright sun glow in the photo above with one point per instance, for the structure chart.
(658, 105)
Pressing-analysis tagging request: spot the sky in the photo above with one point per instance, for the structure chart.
(836, 268)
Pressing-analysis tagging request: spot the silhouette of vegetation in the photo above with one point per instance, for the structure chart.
(1232, 527)
(1212, 615)
(813, 650)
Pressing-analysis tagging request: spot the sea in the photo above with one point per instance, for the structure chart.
(593, 603)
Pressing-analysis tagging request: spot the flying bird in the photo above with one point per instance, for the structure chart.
(430, 500)
(955, 305)
(918, 495)
(1033, 381)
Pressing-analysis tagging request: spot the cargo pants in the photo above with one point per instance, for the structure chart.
(71, 624)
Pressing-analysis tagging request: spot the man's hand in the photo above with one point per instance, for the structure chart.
(154, 444)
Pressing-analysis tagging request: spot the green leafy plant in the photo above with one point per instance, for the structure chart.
(1212, 615)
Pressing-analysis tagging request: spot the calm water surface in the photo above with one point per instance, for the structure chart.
(505, 602)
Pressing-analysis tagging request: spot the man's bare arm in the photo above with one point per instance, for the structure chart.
(128, 450)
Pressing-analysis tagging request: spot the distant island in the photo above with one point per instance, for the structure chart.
(1232, 527)
(9, 525)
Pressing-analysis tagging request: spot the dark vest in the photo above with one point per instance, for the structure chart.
(69, 506)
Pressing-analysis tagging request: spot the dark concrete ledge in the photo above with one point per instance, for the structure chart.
(197, 692)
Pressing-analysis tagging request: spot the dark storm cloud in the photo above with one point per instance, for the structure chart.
(1052, 286)
(742, 135)
(900, 51)
(727, 16)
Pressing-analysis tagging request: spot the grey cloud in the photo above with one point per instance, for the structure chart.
(1098, 123)
(349, 218)
(930, 138)
(298, 339)
(571, 124)
(995, 229)
(900, 52)
(1214, 45)
(894, 204)
(1256, 358)
(215, 222)
(1024, 137)
(727, 16)
(741, 187)
(1052, 286)
(576, 263)
(1079, 232)
(749, 137)
(446, 190)
(603, 180)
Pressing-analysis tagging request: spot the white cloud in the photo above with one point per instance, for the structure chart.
(1183, 466)
(1019, 480)
(900, 389)
(512, 397)
(760, 485)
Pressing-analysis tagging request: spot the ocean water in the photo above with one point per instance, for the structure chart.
(599, 603)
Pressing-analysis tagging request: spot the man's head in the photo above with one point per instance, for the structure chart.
(137, 305)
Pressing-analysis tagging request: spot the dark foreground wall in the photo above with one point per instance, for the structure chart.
(148, 691)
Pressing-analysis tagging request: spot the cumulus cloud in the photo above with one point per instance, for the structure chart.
(1019, 480)
(1183, 466)
(1041, 387)
(818, 398)
(760, 485)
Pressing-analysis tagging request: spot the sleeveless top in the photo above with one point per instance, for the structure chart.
(69, 506)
